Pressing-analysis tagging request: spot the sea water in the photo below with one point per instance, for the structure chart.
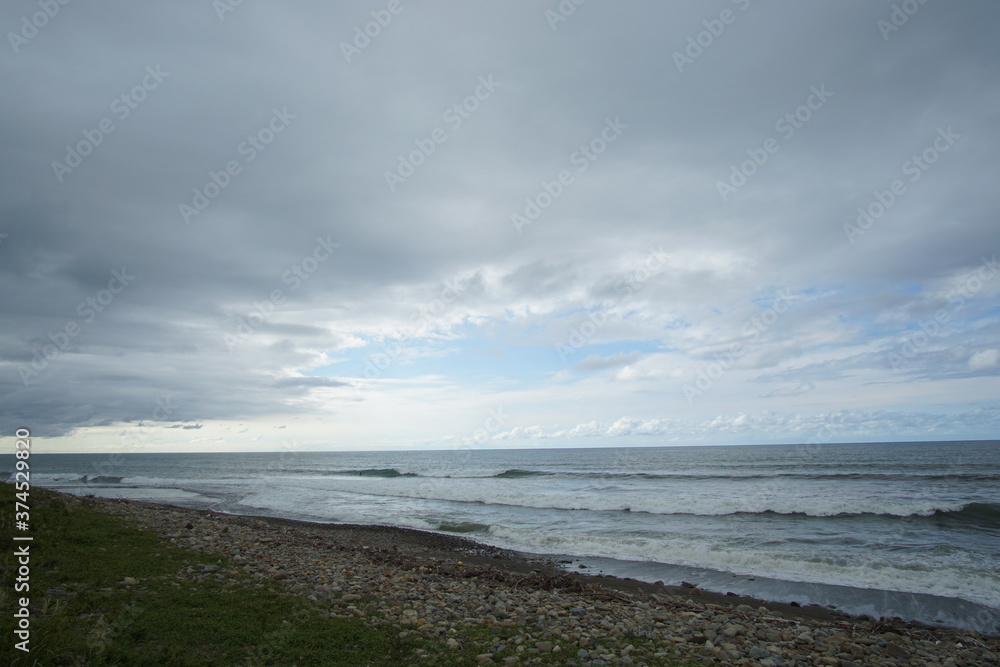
(901, 529)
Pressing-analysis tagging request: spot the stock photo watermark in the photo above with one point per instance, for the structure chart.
(581, 334)
(223, 7)
(581, 159)
(130, 439)
(562, 12)
(294, 277)
(22, 521)
(364, 34)
(915, 167)
(752, 330)
(491, 426)
(88, 310)
(249, 150)
(786, 126)
(649, 266)
(698, 43)
(454, 116)
(899, 17)
(933, 328)
(31, 25)
(379, 362)
(578, 336)
(122, 107)
(466, 445)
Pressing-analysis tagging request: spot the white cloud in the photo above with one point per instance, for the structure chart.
(984, 359)
(640, 240)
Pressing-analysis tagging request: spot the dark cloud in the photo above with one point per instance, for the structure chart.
(235, 172)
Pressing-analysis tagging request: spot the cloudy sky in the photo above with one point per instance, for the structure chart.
(405, 224)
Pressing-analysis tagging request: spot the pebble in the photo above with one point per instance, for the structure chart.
(406, 588)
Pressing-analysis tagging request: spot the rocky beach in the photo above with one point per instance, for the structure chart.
(536, 611)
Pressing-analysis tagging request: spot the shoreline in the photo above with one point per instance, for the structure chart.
(844, 548)
(520, 562)
(442, 545)
(445, 547)
(419, 581)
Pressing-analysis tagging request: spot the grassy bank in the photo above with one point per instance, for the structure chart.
(192, 587)
(103, 592)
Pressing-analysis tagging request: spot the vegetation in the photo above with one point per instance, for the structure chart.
(105, 592)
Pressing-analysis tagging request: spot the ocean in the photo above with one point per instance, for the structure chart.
(902, 529)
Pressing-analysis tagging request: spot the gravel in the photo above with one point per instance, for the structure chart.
(438, 585)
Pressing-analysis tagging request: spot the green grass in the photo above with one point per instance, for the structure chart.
(83, 612)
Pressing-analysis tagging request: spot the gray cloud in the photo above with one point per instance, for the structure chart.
(597, 363)
(304, 211)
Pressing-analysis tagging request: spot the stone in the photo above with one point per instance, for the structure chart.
(897, 651)
(402, 588)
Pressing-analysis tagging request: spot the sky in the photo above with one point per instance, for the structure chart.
(393, 224)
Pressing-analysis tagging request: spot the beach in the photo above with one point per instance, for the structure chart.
(564, 332)
(442, 585)
(895, 530)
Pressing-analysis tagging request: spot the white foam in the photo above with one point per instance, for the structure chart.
(971, 583)
(322, 505)
(56, 479)
(158, 495)
(543, 493)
